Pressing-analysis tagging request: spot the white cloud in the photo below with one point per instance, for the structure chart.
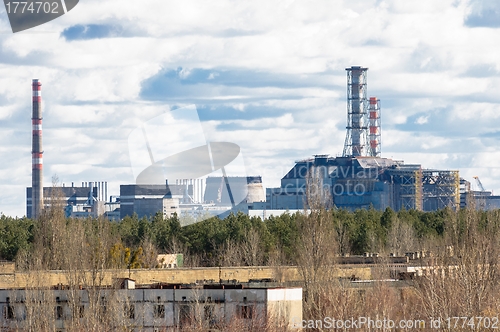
(422, 120)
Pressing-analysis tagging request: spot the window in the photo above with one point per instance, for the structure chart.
(185, 314)
(246, 311)
(8, 312)
(208, 312)
(79, 311)
(209, 315)
(129, 311)
(59, 312)
(159, 311)
(103, 306)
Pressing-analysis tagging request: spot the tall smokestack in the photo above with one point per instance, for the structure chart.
(374, 127)
(37, 152)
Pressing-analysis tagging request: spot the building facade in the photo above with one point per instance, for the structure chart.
(363, 182)
(89, 200)
(153, 309)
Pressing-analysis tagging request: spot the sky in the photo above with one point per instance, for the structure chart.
(266, 75)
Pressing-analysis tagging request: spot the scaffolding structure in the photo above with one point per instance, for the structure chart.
(407, 188)
(441, 189)
(356, 141)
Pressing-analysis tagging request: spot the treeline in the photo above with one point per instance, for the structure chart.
(235, 240)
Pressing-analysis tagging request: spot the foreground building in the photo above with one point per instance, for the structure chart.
(154, 309)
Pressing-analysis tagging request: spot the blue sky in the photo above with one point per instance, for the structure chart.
(269, 76)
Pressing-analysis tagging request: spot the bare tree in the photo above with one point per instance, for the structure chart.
(316, 248)
(252, 248)
(462, 279)
(229, 254)
(401, 237)
(150, 254)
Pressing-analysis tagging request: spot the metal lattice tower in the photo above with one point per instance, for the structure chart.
(356, 140)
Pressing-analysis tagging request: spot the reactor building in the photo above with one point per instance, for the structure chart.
(361, 178)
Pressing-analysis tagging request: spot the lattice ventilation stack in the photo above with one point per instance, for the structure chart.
(356, 141)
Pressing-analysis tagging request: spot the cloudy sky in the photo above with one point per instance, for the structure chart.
(266, 75)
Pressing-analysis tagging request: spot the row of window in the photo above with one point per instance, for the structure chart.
(244, 311)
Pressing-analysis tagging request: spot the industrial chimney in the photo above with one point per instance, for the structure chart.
(37, 152)
(374, 126)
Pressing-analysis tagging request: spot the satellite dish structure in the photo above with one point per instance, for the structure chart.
(173, 147)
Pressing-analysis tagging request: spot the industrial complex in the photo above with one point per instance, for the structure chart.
(359, 179)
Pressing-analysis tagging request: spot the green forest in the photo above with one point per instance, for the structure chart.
(235, 240)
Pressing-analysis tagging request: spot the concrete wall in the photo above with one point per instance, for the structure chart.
(284, 307)
(173, 276)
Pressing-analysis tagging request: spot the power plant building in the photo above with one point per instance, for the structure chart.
(147, 200)
(363, 182)
(246, 189)
(89, 200)
(222, 195)
(361, 179)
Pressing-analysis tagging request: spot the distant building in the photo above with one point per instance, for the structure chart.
(170, 261)
(363, 182)
(222, 195)
(147, 200)
(89, 200)
(234, 190)
(478, 199)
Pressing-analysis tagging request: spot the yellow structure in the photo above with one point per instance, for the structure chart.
(11, 279)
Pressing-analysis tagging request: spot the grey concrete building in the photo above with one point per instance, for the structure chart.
(361, 182)
(89, 200)
(155, 309)
(147, 200)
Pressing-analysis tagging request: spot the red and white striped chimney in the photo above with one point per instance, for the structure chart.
(375, 144)
(37, 152)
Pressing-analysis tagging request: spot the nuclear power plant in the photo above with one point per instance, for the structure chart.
(361, 178)
(358, 179)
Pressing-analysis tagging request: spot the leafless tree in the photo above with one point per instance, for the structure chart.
(252, 249)
(401, 238)
(317, 245)
(462, 279)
